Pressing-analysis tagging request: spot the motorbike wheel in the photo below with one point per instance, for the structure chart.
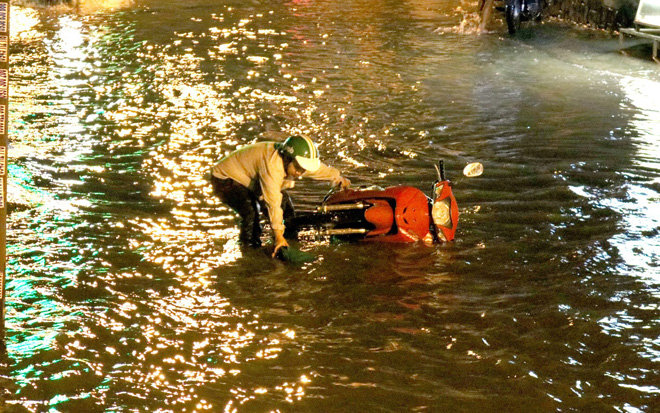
(537, 11)
(513, 11)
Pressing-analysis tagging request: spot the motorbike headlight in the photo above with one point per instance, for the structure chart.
(444, 212)
(441, 213)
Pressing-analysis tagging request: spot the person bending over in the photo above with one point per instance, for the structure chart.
(258, 175)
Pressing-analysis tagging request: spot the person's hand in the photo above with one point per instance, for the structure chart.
(280, 241)
(344, 182)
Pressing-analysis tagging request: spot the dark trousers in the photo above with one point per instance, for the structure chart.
(248, 206)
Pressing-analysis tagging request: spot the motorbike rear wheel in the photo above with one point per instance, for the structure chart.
(513, 13)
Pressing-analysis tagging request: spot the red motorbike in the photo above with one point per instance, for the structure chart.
(393, 214)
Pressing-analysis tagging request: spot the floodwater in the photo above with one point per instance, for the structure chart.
(128, 292)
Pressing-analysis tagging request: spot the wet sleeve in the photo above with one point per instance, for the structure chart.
(271, 177)
(325, 173)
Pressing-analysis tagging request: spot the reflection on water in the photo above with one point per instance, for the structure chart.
(128, 290)
(642, 219)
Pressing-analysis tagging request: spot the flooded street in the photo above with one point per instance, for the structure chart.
(127, 290)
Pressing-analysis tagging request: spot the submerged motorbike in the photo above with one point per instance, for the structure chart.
(393, 214)
(517, 11)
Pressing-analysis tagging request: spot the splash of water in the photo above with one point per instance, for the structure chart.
(473, 16)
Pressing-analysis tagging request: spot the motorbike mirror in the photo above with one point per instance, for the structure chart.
(474, 169)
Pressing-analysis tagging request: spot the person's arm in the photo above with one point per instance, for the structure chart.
(328, 173)
(271, 177)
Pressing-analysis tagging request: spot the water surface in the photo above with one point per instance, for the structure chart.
(128, 291)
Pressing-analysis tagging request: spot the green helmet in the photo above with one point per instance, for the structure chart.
(303, 150)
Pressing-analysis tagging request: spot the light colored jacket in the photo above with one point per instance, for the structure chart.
(260, 163)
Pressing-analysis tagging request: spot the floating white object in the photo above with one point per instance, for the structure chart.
(473, 169)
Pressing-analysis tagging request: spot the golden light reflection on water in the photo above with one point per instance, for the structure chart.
(77, 6)
(186, 246)
(174, 248)
(23, 22)
(189, 244)
(93, 6)
(166, 366)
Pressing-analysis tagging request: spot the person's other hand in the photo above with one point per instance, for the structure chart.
(280, 242)
(344, 182)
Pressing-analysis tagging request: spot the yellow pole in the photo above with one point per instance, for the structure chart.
(4, 113)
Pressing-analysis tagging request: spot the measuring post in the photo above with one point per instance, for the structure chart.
(4, 113)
